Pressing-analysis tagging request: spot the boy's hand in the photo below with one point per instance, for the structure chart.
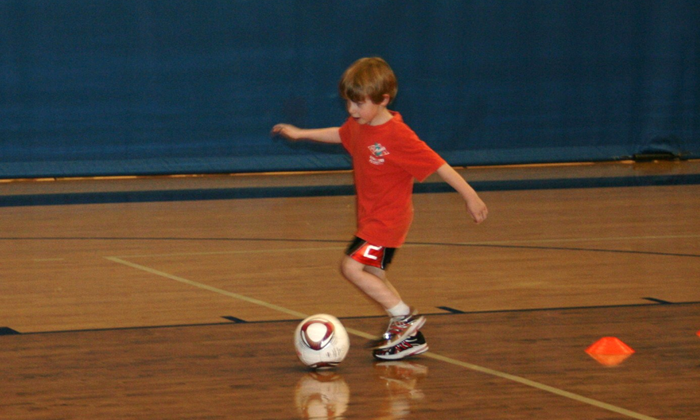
(477, 209)
(322, 135)
(286, 130)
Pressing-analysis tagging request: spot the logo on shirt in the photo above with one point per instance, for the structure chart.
(377, 154)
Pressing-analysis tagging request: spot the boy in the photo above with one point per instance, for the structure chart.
(387, 155)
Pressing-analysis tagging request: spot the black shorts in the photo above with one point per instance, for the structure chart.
(368, 254)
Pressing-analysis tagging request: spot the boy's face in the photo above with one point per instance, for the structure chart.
(366, 111)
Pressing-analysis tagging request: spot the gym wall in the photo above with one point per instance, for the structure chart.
(110, 87)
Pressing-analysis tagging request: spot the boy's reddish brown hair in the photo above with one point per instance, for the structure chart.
(368, 78)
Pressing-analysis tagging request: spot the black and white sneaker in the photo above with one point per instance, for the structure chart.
(400, 328)
(411, 346)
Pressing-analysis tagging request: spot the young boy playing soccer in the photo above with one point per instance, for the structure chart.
(386, 156)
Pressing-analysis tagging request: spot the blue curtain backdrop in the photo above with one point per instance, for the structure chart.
(106, 87)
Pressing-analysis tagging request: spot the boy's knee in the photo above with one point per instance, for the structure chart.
(350, 268)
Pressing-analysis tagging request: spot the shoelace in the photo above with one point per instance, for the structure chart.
(396, 327)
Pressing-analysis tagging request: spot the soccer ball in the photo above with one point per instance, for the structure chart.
(321, 341)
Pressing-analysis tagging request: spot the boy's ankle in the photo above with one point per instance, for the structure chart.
(399, 310)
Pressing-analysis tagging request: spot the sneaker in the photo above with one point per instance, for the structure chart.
(411, 346)
(399, 329)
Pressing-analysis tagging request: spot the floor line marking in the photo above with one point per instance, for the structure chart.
(223, 239)
(208, 288)
(421, 244)
(613, 238)
(540, 386)
(492, 372)
(247, 251)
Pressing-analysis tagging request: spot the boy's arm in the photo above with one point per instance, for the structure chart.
(476, 208)
(321, 135)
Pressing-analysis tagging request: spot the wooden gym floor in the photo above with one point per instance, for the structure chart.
(176, 297)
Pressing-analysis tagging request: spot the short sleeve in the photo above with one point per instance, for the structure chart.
(415, 156)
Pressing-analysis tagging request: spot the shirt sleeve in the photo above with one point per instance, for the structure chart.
(415, 156)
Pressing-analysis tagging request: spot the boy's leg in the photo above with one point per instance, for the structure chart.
(371, 279)
(382, 275)
(374, 286)
(399, 310)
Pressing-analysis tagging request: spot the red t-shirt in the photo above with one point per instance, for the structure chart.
(386, 158)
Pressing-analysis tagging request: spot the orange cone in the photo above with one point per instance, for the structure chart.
(609, 351)
(698, 333)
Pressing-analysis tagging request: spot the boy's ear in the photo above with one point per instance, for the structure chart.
(385, 100)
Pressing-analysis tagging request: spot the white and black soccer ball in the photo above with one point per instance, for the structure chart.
(321, 341)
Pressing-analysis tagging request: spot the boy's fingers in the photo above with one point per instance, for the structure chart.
(277, 130)
(480, 217)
